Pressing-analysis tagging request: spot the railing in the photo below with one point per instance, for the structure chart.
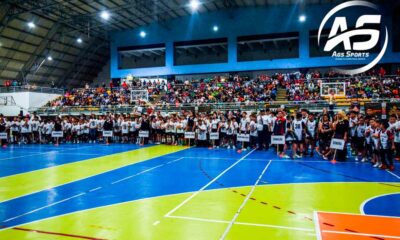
(12, 89)
(315, 106)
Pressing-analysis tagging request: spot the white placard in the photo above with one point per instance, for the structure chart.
(190, 135)
(3, 135)
(57, 134)
(337, 144)
(107, 133)
(278, 139)
(243, 137)
(144, 134)
(214, 136)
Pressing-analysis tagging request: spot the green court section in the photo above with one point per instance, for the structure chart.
(273, 212)
(26, 183)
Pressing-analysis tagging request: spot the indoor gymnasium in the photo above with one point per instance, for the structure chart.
(200, 119)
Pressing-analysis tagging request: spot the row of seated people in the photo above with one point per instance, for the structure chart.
(263, 88)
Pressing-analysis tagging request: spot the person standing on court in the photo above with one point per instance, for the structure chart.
(108, 126)
(341, 129)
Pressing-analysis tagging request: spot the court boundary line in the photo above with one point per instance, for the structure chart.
(92, 190)
(46, 189)
(372, 198)
(151, 198)
(208, 184)
(393, 174)
(228, 228)
(358, 214)
(318, 230)
(361, 234)
(241, 223)
(43, 153)
(68, 162)
(317, 226)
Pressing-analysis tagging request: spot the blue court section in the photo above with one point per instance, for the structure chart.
(387, 205)
(25, 158)
(179, 172)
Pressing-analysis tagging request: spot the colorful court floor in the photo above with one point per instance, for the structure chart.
(125, 192)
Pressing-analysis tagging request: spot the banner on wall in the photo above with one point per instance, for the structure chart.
(382, 110)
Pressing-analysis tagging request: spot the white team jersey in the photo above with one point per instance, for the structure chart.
(360, 131)
(311, 127)
(25, 127)
(243, 124)
(15, 126)
(253, 129)
(368, 136)
(375, 141)
(395, 129)
(93, 123)
(353, 126)
(125, 127)
(34, 125)
(214, 124)
(202, 132)
(298, 129)
(384, 139)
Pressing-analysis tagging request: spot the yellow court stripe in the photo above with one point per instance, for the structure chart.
(207, 215)
(30, 182)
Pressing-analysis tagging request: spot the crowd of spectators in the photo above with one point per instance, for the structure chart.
(235, 88)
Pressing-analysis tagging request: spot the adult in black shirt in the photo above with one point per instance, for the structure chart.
(3, 129)
(57, 128)
(341, 129)
(145, 126)
(108, 126)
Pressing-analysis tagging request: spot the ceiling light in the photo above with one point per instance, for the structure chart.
(79, 40)
(194, 4)
(142, 34)
(31, 24)
(302, 18)
(49, 58)
(215, 28)
(105, 15)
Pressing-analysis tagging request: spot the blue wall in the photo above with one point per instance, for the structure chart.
(234, 23)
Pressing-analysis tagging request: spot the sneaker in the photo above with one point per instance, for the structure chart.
(391, 168)
(363, 160)
(325, 157)
(285, 156)
(376, 165)
(229, 147)
(233, 147)
(244, 149)
(383, 167)
(296, 156)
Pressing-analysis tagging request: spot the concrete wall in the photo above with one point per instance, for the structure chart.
(103, 77)
(25, 101)
(235, 23)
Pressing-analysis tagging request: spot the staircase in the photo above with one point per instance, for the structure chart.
(281, 95)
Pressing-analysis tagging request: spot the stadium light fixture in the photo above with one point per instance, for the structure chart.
(49, 58)
(215, 28)
(105, 15)
(302, 18)
(194, 5)
(79, 40)
(143, 34)
(31, 24)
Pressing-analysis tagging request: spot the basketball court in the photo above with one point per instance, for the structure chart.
(126, 192)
